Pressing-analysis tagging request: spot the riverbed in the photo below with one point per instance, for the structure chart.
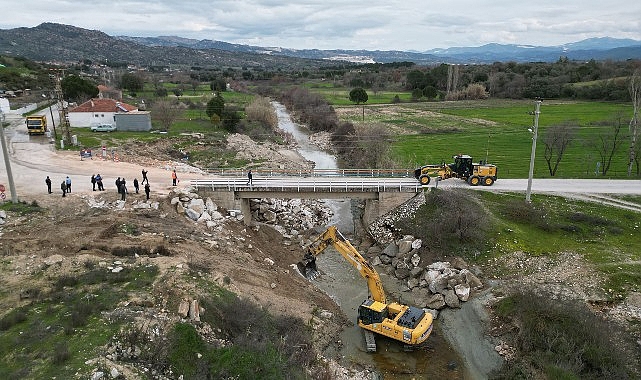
(343, 283)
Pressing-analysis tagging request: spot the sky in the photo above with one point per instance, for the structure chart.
(410, 25)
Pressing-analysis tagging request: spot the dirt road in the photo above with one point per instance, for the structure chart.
(33, 158)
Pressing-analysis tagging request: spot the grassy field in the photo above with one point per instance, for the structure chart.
(496, 131)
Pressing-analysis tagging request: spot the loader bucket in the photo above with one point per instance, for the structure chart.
(307, 267)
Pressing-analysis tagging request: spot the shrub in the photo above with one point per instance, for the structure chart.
(561, 339)
(449, 220)
(61, 353)
(13, 318)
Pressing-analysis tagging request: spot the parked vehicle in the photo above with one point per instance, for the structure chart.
(103, 128)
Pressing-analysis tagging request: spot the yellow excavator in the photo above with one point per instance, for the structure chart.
(407, 324)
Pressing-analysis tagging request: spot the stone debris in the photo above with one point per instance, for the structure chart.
(434, 286)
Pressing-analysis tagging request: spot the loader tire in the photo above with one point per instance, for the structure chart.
(488, 181)
(474, 180)
(424, 180)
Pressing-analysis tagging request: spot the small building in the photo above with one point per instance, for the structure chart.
(98, 111)
(133, 121)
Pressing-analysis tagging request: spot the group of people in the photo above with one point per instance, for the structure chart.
(65, 185)
(96, 181)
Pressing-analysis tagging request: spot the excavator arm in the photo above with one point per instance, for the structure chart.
(333, 237)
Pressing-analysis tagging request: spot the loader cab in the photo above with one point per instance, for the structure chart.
(371, 312)
(462, 165)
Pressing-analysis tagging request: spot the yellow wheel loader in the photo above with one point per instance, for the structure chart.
(474, 173)
(407, 324)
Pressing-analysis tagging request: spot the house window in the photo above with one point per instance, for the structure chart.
(95, 115)
(103, 115)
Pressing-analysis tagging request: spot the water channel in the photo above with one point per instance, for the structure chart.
(345, 285)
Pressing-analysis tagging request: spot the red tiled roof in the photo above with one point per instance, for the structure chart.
(104, 105)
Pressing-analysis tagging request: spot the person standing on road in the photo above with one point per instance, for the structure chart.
(174, 178)
(48, 182)
(136, 185)
(249, 178)
(144, 176)
(123, 190)
(101, 187)
(68, 182)
(63, 187)
(93, 182)
(147, 190)
(118, 184)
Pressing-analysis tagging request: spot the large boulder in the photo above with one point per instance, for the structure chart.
(451, 299)
(436, 301)
(462, 292)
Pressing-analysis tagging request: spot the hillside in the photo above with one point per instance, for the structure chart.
(50, 42)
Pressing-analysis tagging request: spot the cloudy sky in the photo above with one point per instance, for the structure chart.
(330, 24)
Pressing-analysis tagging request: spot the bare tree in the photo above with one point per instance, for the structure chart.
(608, 140)
(635, 96)
(556, 140)
(165, 112)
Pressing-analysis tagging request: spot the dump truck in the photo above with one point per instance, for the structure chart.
(36, 124)
(407, 324)
(474, 173)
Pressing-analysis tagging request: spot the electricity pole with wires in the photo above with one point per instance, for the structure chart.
(537, 107)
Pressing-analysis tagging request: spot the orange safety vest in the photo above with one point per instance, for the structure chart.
(173, 175)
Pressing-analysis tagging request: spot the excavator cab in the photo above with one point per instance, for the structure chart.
(371, 312)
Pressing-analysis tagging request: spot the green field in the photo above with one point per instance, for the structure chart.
(496, 131)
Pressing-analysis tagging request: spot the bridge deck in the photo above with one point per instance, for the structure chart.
(311, 184)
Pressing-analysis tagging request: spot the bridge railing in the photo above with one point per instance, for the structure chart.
(311, 184)
(400, 173)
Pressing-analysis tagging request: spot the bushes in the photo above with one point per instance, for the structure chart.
(263, 346)
(449, 220)
(561, 340)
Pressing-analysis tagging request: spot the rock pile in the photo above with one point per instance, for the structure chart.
(200, 210)
(383, 230)
(433, 286)
(290, 216)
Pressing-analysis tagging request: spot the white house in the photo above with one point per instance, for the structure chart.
(98, 111)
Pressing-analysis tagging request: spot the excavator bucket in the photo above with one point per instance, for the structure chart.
(307, 267)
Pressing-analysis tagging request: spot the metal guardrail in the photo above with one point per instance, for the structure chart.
(311, 184)
(394, 173)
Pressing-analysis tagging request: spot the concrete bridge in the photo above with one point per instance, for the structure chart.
(381, 194)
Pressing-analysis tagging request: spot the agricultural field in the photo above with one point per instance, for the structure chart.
(498, 131)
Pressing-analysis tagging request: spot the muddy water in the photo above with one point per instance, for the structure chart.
(343, 283)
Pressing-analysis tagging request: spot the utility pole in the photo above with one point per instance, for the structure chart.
(7, 163)
(537, 107)
(62, 110)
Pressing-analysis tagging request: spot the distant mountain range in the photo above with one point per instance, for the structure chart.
(57, 42)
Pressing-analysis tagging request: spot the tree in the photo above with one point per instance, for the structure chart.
(165, 112)
(358, 96)
(215, 106)
(218, 85)
(635, 96)
(76, 89)
(132, 82)
(556, 140)
(608, 141)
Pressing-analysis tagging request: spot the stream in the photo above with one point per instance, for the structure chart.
(343, 283)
